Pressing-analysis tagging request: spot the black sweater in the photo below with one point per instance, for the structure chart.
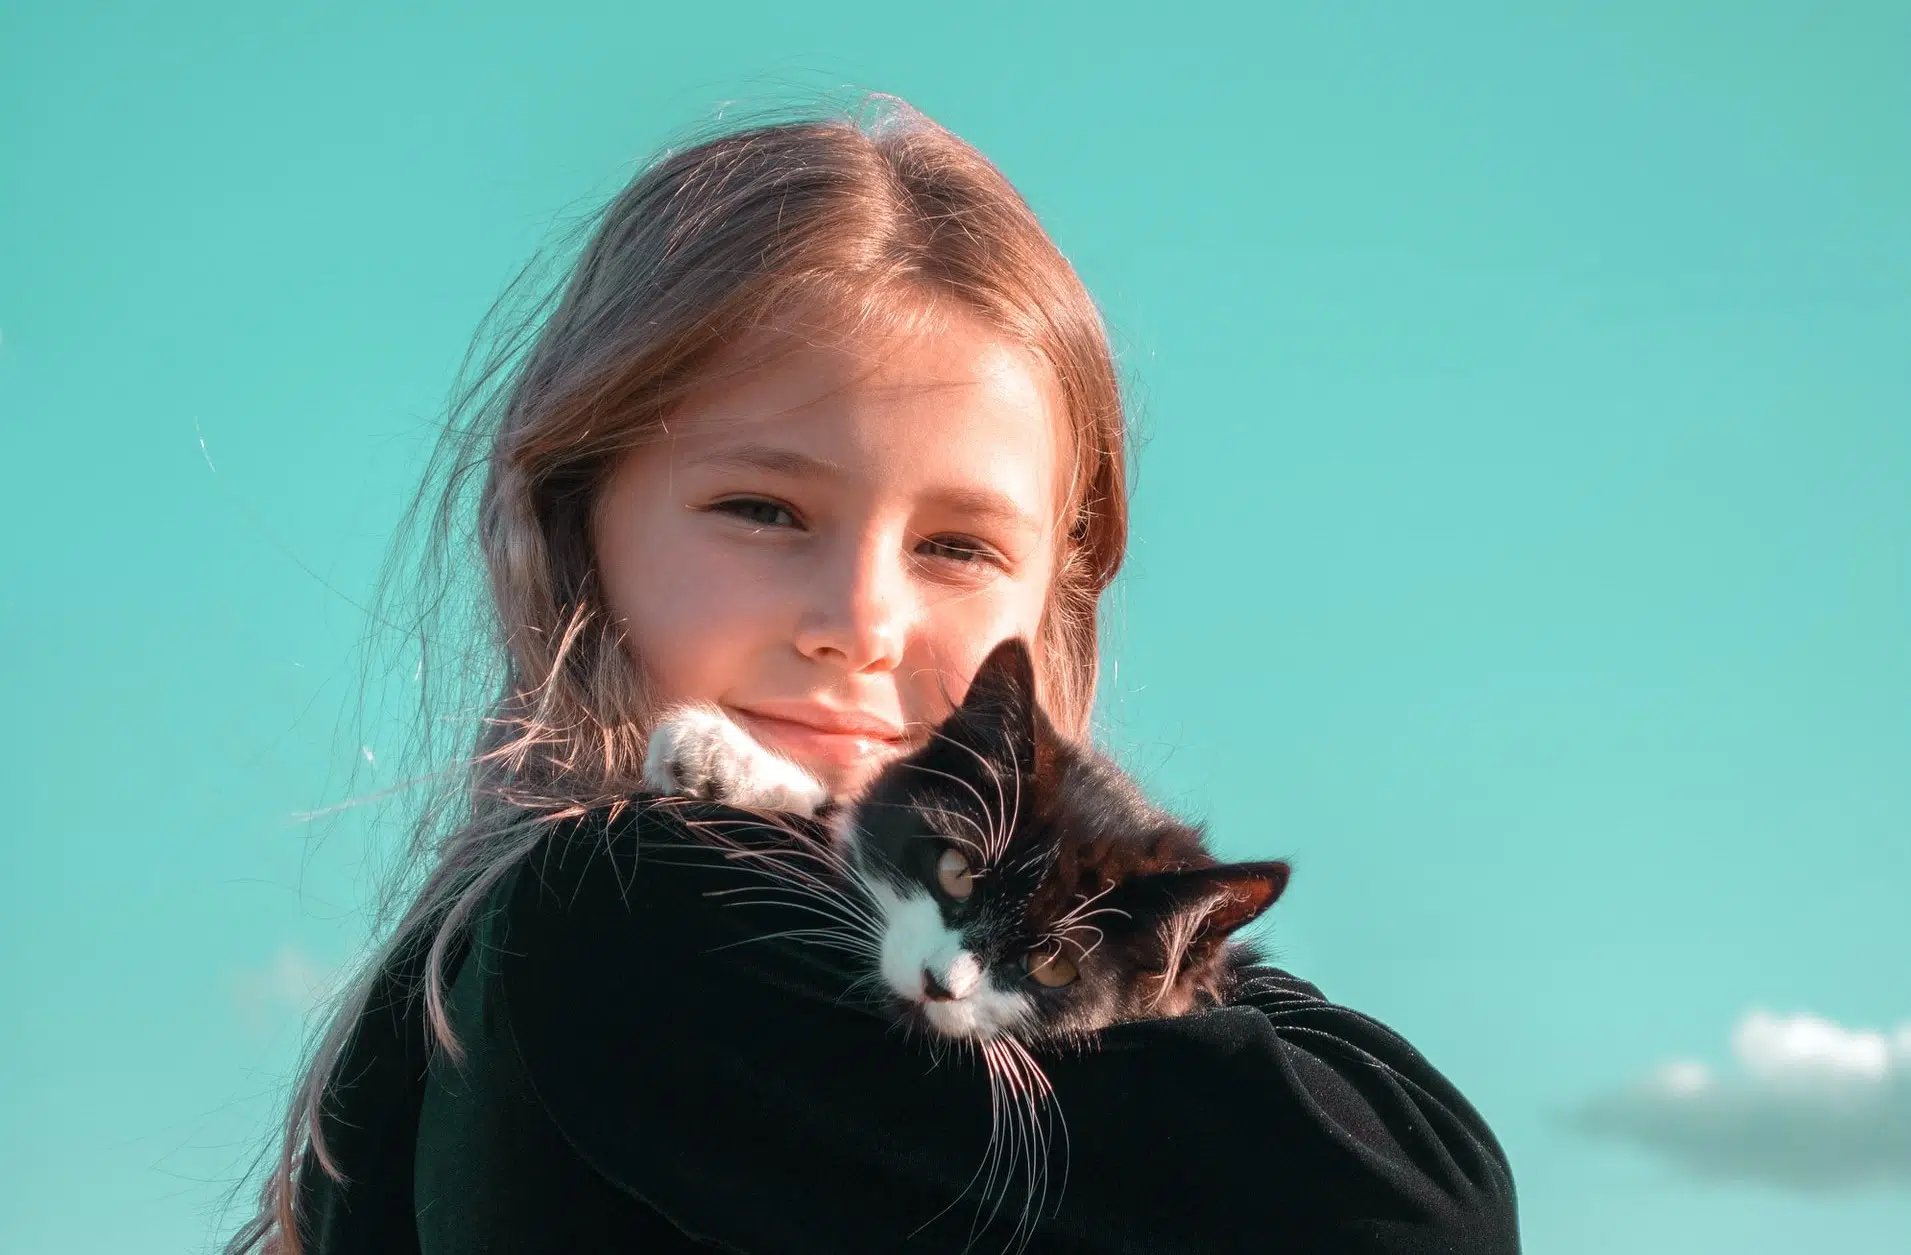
(645, 1071)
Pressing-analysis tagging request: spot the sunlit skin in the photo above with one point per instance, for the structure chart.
(826, 546)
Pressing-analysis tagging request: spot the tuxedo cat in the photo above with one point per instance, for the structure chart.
(1004, 888)
(1005, 882)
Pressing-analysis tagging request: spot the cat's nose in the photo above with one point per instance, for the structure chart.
(958, 979)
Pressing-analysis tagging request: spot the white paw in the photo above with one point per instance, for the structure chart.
(697, 752)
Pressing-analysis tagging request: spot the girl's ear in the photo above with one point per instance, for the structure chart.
(1196, 910)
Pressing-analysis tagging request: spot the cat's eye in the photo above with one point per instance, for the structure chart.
(1049, 967)
(954, 875)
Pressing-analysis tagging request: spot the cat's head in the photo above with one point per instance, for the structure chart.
(1022, 886)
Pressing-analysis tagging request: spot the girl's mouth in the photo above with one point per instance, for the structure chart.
(836, 746)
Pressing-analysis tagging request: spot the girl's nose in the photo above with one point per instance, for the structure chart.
(860, 611)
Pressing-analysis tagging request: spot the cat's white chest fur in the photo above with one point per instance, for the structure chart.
(698, 751)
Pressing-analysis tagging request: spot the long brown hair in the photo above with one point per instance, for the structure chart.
(867, 216)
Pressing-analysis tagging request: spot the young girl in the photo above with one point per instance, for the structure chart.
(820, 416)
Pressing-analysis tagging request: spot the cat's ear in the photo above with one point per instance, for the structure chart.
(1196, 910)
(1004, 685)
(999, 716)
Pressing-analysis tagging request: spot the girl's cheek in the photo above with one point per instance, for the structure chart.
(711, 606)
(958, 633)
(686, 610)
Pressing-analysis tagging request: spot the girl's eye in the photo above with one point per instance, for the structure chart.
(956, 549)
(757, 510)
(1048, 967)
(953, 874)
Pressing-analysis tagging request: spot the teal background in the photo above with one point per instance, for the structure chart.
(1521, 529)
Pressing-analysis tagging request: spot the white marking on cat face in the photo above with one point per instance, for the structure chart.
(990, 1012)
(963, 977)
(915, 941)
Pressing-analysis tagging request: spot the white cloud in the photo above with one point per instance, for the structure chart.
(292, 982)
(1808, 1050)
(1812, 1104)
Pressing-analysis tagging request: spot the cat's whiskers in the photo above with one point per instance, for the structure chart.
(808, 886)
(816, 888)
(999, 1159)
(938, 1045)
(943, 812)
(1001, 817)
(1021, 1100)
(1034, 862)
(1014, 819)
(855, 990)
(828, 938)
(1080, 911)
(989, 842)
(800, 846)
(981, 803)
(1084, 951)
(1042, 1094)
(973, 846)
(784, 866)
(851, 907)
(980, 1049)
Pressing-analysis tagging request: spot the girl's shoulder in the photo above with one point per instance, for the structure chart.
(661, 891)
(681, 1020)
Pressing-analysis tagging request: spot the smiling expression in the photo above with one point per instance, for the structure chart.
(827, 543)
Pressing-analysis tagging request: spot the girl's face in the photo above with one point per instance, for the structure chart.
(827, 546)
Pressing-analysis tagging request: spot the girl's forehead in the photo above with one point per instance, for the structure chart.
(960, 406)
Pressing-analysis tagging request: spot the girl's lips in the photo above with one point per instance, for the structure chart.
(834, 755)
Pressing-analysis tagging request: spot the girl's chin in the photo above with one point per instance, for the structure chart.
(845, 779)
(843, 782)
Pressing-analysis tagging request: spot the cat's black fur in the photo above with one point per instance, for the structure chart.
(1073, 856)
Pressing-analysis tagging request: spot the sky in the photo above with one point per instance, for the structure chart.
(1521, 539)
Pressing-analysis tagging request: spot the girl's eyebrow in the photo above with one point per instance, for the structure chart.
(983, 505)
(765, 457)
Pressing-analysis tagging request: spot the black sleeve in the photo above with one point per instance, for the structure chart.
(692, 1061)
(369, 1124)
